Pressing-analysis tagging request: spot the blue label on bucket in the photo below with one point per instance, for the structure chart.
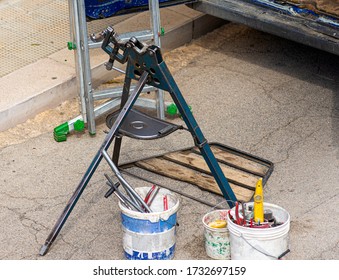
(163, 255)
(146, 226)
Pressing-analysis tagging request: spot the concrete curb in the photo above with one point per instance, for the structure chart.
(52, 80)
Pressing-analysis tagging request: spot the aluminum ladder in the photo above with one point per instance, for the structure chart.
(81, 43)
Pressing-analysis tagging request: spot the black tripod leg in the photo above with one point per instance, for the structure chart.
(118, 140)
(93, 166)
(71, 203)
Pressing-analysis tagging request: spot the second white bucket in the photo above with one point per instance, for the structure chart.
(260, 243)
(217, 241)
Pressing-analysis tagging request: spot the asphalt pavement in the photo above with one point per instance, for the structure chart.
(255, 92)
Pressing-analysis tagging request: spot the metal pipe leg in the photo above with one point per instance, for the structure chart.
(75, 26)
(133, 194)
(88, 91)
(155, 23)
(124, 98)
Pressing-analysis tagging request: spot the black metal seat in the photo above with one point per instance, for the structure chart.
(141, 126)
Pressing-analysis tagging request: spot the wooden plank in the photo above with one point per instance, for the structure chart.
(234, 159)
(179, 172)
(197, 161)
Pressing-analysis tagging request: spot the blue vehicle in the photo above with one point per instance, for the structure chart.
(98, 9)
(310, 22)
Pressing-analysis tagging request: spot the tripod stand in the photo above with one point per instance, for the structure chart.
(144, 64)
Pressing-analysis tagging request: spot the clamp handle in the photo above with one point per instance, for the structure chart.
(114, 47)
(109, 64)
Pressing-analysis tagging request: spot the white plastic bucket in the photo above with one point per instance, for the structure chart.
(150, 236)
(260, 243)
(217, 241)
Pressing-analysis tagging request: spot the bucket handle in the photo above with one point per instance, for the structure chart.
(264, 253)
(215, 206)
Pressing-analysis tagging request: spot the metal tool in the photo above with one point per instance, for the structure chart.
(122, 197)
(165, 200)
(151, 194)
(144, 64)
(118, 195)
(239, 221)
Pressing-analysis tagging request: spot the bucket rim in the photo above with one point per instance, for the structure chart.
(157, 214)
(243, 230)
(172, 210)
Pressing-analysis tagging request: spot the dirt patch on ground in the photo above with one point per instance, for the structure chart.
(175, 60)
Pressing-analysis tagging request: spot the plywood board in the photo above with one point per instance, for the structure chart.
(241, 169)
(237, 160)
(179, 172)
(197, 161)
